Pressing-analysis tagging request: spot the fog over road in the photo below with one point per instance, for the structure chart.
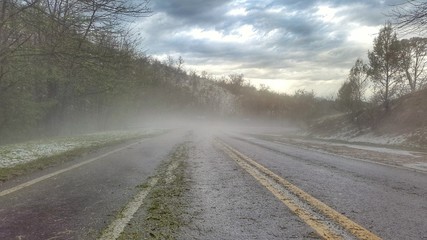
(237, 187)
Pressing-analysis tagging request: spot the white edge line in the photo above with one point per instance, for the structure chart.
(402, 167)
(117, 226)
(42, 178)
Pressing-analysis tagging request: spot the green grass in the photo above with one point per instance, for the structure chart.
(160, 218)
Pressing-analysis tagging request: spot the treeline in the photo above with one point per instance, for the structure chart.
(302, 106)
(68, 65)
(62, 58)
(73, 65)
(395, 67)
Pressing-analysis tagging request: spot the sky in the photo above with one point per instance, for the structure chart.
(286, 45)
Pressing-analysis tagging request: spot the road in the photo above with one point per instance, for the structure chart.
(78, 203)
(236, 186)
(389, 201)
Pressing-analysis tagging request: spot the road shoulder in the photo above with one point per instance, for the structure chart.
(412, 160)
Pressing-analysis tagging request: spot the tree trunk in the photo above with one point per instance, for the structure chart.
(386, 96)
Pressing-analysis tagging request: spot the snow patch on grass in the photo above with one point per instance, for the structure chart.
(368, 138)
(14, 154)
(361, 147)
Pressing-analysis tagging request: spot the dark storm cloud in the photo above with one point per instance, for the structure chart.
(303, 37)
(192, 11)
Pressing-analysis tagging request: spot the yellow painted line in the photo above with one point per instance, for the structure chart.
(311, 220)
(42, 178)
(352, 227)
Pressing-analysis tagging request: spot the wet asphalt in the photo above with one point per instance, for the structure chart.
(79, 203)
(224, 202)
(227, 203)
(390, 202)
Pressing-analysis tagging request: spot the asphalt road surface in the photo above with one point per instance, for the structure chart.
(78, 203)
(238, 187)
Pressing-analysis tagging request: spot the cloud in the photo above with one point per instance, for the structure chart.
(192, 12)
(306, 41)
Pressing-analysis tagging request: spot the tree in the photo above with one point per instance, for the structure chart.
(384, 64)
(411, 16)
(304, 105)
(351, 94)
(84, 41)
(18, 111)
(345, 98)
(413, 61)
(63, 58)
(12, 34)
(237, 82)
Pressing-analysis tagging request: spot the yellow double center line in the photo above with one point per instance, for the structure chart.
(292, 197)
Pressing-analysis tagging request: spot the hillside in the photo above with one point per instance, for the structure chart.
(405, 124)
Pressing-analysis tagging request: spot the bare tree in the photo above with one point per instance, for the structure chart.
(12, 36)
(411, 16)
(83, 34)
(179, 63)
(384, 64)
(351, 94)
(413, 61)
(237, 81)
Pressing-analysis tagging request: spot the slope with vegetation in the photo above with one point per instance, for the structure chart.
(72, 66)
(403, 124)
(396, 111)
(68, 67)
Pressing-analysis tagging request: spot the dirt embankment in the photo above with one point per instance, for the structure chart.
(404, 124)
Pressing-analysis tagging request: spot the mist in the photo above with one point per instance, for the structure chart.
(78, 75)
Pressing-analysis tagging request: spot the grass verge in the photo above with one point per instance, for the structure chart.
(160, 216)
(40, 163)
